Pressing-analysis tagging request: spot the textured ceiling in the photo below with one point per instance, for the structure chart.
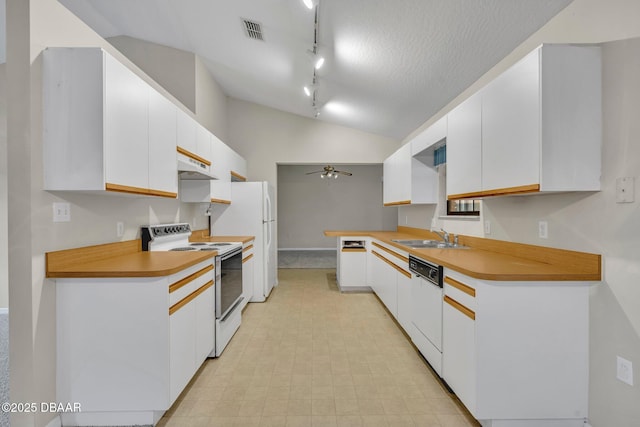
(391, 65)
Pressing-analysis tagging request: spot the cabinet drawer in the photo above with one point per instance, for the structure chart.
(459, 291)
(182, 288)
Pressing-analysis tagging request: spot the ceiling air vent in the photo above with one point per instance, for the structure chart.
(252, 29)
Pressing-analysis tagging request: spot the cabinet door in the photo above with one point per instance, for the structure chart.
(386, 286)
(248, 265)
(203, 142)
(353, 268)
(464, 147)
(222, 158)
(404, 302)
(182, 345)
(397, 177)
(126, 131)
(186, 131)
(511, 127)
(205, 326)
(459, 354)
(238, 167)
(163, 171)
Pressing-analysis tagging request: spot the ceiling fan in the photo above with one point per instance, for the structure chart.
(330, 172)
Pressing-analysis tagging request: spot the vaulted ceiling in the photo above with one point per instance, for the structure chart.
(390, 65)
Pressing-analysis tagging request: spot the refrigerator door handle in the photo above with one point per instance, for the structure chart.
(267, 213)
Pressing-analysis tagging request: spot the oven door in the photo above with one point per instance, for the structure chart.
(228, 283)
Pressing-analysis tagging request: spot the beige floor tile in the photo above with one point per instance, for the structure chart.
(275, 407)
(323, 407)
(299, 407)
(400, 420)
(273, 421)
(426, 420)
(347, 407)
(371, 407)
(349, 421)
(374, 421)
(324, 421)
(312, 356)
(298, 421)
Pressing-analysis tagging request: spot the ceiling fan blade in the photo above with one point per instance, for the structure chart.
(343, 173)
(309, 173)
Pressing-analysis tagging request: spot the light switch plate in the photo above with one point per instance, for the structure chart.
(625, 190)
(487, 227)
(61, 212)
(543, 229)
(624, 370)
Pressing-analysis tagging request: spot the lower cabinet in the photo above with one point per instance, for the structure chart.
(391, 280)
(248, 266)
(127, 347)
(516, 353)
(352, 264)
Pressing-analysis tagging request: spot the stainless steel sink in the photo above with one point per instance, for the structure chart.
(417, 244)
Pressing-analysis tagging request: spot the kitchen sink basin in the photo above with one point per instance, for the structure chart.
(418, 244)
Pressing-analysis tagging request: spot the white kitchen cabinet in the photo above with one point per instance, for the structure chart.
(128, 346)
(248, 266)
(97, 116)
(504, 343)
(541, 127)
(352, 263)
(204, 143)
(464, 147)
(389, 271)
(403, 280)
(410, 176)
(162, 143)
(397, 177)
(238, 167)
(186, 132)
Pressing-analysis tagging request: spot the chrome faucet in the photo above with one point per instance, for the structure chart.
(444, 235)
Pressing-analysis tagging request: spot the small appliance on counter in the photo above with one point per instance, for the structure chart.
(228, 274)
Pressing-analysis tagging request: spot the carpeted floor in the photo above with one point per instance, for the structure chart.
(307, 259)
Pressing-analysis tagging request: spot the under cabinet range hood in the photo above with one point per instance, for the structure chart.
(192, 168)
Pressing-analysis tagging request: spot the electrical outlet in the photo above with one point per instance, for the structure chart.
(624, 370)
(119, 228)
(61, 212)
(625, 190)
(543, 229)
(487, 227)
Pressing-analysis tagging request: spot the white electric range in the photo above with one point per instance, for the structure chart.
(227, 267)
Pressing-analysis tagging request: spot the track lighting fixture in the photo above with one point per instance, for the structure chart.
(318, 61)
(308, 4)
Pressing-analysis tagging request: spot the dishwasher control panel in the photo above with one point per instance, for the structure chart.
(426, 270)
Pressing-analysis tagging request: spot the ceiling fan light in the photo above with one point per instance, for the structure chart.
(335, 176)
(308, 4)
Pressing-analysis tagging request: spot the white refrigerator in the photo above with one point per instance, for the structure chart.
(252, 213)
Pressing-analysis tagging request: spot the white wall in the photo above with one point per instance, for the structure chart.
(265, 137)
(4, 283)
(32, 25)
(211, 102)
(173, 69)
(308, 205)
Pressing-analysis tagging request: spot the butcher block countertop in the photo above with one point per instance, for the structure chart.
(121, 259)
(494, 259)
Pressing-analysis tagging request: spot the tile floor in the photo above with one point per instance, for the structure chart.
(311, 356)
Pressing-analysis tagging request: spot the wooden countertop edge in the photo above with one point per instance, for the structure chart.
(119, 259)
(571, 265)
(203, 236)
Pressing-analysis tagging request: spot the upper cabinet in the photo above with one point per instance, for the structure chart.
(396, 185)
(410, 176)
(105, 129)
(535, 128)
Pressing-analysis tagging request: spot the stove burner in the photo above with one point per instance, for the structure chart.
(223, 244)
(208, 248)
(198, 244)
(184, 248)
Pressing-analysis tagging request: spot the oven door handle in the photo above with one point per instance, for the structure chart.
(230, 254)
(233, 307)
